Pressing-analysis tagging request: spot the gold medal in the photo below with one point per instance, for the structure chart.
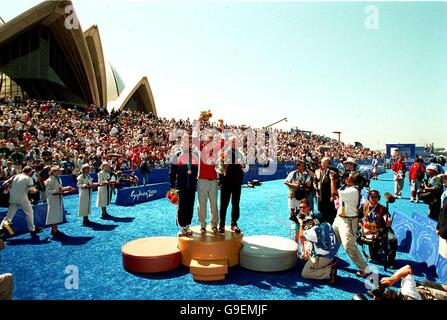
(189, 171)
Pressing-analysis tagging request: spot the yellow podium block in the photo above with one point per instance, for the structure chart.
(211, 246)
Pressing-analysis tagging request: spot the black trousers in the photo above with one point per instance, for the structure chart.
(186, 207)
(392, 249)
(228, 191)
(434, 208)
(327, 210)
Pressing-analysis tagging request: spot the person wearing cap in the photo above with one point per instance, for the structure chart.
(399, 170)
(350, 167)
(433, 191)
(375, 224)
(85, 185)
(20, 185)
(322, 185)
(320, 256)
(346, 222)
(55, 208)
(104, 190)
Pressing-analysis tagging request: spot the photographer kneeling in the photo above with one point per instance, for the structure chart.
(375, 224)
(320, 256)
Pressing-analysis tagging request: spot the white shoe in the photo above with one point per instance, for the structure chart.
(411, 200)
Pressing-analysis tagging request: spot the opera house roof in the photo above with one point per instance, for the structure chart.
(45, 51)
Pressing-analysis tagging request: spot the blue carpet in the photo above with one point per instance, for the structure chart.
(39, 266)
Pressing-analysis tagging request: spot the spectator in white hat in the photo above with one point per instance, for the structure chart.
(104, 190)
(85, 185)
(55, 210)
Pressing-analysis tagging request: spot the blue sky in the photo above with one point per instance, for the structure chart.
(257, 62)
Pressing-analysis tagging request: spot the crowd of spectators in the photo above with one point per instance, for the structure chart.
(41, 133)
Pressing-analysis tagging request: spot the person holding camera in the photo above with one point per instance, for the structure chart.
(432, 191)
(322, 185)
(409, 289)
(298, 182)
(346, 223)
(6, 281)
(303, 211)
(20, 185)
(375, 226)
(321, 255)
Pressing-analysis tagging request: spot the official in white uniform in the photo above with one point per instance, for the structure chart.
(55, 213)
(20, 185)
(85, 184)
(104, 190)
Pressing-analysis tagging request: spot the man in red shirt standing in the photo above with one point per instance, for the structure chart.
(416, 175)
(399, 170)
(207, 183)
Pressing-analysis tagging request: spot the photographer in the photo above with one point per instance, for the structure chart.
(409, 290)
(299, 182)
(324, 246)
(375, 224)
(6, 281)
(346, 223)
(304, 211)
(431, 192)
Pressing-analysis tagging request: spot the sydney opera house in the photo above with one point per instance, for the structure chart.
(42, 58)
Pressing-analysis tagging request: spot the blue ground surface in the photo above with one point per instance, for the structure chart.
(39, 265)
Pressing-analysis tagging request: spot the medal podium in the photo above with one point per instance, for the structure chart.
(207, 255)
